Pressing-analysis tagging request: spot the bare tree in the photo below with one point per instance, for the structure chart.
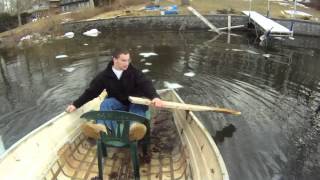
(5, 6)
(17, 7)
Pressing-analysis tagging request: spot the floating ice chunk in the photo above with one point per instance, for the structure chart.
(69, 69)
(251, 52)
(172, 85)
(142, 60)
(148, 64)
(148, 54)
(145, 70)
(266, 55)
(69, 35)
(189, 74)
(92, 33)
(61, 56)
(237, 50)
(85, 44)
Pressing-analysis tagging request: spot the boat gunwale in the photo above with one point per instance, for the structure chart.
(33, 132)
(221, 163)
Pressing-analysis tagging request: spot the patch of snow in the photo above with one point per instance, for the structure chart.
(142, 60)
(298, 13)
(148, 64)
(27, 37)
(301, 5)
(283, 4)
(145, 70)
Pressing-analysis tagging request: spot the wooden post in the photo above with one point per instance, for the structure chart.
(229, 22)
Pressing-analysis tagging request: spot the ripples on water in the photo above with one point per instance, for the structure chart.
(276, 89)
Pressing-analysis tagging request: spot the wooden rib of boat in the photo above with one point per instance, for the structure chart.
(181, 148)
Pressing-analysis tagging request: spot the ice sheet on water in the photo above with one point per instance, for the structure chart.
(172, 85)
(70, 69)
(61, 56)
(189, 74)
(148, 54)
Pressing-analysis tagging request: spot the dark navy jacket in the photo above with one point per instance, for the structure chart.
(132, 83)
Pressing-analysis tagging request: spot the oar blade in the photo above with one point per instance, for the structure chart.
(182, 106)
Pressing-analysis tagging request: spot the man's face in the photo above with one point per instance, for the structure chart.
(122, 62)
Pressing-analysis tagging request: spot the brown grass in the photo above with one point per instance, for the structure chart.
(52, 25)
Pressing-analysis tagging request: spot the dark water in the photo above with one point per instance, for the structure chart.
(277, 135)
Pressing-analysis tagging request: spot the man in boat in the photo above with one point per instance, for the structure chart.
(121, 80)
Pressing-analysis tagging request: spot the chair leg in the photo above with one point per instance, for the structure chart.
(135, 159)
(145, 148)
(146, 143)
(99, 154)
(104, 150)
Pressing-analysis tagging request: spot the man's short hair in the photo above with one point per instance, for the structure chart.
(118, 51)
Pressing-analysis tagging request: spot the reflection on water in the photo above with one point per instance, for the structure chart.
(276, 90)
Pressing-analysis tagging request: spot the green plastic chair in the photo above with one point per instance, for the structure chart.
(119, 137)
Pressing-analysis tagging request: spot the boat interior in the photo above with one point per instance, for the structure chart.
(167, 157)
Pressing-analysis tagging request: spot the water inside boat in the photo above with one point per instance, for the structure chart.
(167, 157)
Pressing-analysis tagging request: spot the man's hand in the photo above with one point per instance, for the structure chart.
(157, 102)
(70, 108)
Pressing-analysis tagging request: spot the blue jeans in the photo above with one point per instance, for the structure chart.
(113, 104)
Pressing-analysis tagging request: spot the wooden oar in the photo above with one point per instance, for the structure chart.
(191, 107)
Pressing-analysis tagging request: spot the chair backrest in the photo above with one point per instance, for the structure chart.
(121, 119)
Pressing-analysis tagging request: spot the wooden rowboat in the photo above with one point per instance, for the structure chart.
(180, 149)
